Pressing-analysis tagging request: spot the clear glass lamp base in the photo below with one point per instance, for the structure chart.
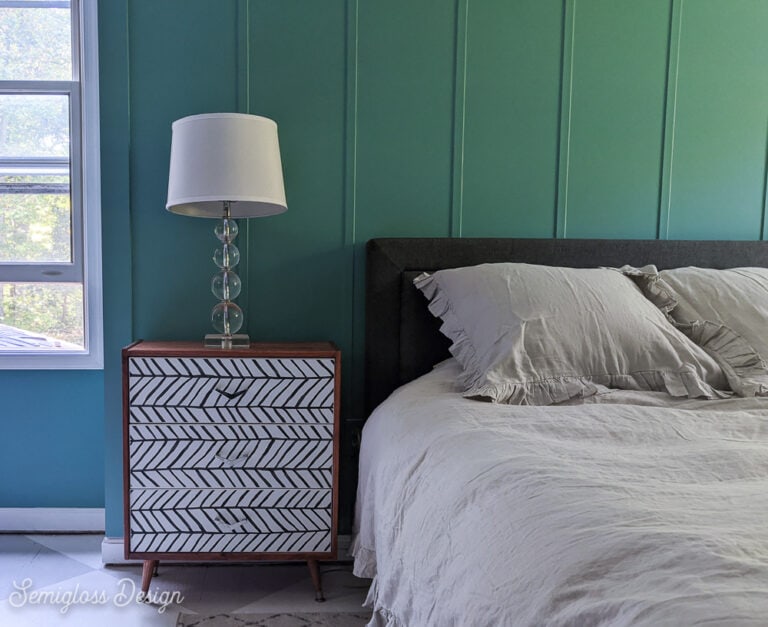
(220, 340)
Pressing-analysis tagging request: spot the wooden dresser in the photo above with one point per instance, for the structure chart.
(231, 454)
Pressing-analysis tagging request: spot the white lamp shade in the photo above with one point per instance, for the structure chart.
(218, 157)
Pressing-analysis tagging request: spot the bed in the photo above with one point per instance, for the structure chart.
(627, 507)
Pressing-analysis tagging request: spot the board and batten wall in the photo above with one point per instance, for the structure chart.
(519, 118)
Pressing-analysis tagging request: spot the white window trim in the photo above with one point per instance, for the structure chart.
(92, 357)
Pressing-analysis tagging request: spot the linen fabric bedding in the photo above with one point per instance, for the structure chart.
(626, 508)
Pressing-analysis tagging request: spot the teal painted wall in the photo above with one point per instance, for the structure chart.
(55, 444)
(542, 118)
(116, 241)
(51, 442)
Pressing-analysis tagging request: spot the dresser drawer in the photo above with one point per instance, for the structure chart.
(230, 445)
(173, 455)
(187, 382)
(251, 520)
(278, 542)
(230, 478)
(150, 414)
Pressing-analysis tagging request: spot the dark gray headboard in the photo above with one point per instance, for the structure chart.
(402, 339)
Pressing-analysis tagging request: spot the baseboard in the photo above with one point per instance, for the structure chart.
(112, 551)
(51, 520)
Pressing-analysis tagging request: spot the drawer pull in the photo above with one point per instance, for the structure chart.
(230, 461)
(225, 526)
(231, 395)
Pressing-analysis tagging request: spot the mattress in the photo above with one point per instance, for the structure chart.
(627, 508)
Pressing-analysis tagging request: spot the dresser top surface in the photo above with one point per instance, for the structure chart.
(256, 349)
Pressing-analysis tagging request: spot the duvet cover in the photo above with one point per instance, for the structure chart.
(626, 508)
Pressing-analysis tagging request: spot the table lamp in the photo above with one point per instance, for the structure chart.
(225, 166)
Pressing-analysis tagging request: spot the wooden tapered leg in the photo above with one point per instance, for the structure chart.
(314, 571)
(149, 569)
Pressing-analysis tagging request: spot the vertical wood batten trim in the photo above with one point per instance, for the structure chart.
(763, 220)
(350, 123)
(132, 214)
(459, 108)
(243, 96)
(243, 60)
(670, 119)
(566, 95)
(349, 238)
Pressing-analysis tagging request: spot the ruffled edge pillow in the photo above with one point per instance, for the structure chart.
(744, 367)
(687, 380)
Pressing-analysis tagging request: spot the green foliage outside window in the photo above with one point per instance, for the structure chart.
(34, 227)
(35, 44)
(51, 309)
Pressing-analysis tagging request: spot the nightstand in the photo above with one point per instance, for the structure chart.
(231, 454)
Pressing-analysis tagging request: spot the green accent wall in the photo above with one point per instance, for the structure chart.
(576, 118)
(615, 118)
(509, 130)
(527, 118)
(720, 125)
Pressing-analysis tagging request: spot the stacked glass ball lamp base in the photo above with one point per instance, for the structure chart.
(226, 317)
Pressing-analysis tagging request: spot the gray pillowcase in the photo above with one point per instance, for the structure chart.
(726, 313)
(537, 335)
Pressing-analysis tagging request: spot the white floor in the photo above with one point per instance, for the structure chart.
(48, 580)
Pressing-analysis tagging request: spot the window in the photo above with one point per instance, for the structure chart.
(50, 267)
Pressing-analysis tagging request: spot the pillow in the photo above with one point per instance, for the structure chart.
(536, 335)
(726, 313)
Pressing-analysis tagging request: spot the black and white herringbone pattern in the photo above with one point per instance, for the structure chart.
(255, 367)
(163, 499)
(230, 455)
(162, 517)
(198, 382)
(187, 415)
(232, 478)
(225, 446)
(236, 542)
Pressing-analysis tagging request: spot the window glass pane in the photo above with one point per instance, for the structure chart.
(35, 227)
(34, 125)
(35, 207)
(41, 316)
(36, 41)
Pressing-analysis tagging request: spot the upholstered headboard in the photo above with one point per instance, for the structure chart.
(402, 338)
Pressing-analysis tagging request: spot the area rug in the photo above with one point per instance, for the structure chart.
(298, 619)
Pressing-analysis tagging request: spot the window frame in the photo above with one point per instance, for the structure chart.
(85, 190)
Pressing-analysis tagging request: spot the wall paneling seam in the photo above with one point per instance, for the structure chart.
(129, 109)
(763, 221)
(459, 117)
(349, 239)
(350, 122)
(566, 101)
(670, 119)
(243, 60)
(243, 95)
